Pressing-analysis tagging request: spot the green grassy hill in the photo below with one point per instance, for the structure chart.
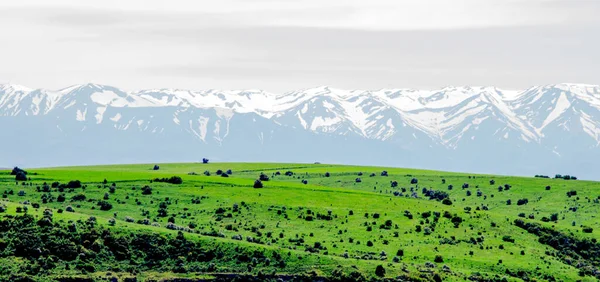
(344, 223)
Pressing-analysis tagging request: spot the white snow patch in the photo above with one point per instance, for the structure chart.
(116, 118)
(81, 115)
(99, 114)
(561, 106)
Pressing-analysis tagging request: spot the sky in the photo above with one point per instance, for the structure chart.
(284, 45)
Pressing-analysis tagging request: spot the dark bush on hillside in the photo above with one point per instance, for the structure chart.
(438, 259)
(548, 187)
(468, 193)
(289, 173)
(224, 175)
(304, 181)
(572, 193)
(465, 185)
(78, 197)
(447, 201)
(508, 202)
(372, 175)
(327, 174)
(394, 184)
(74, 184)
(263, 177)
(358, 180)
(16, 170)
(450, 187)
(521, 202)
(414, 181)
(587, 229)
(21, 176)
(258, 184)
(204, 160)
(172, 180)
(554, 217)
(146, 190)
(104, 205)
(492, 182)
(542, 176)
(507, 187)
(360, 174)
(384, 173)
(156, 167)
(507, 238)
(380, 271)
(61, 198)
(207, 173)
(219, 172)
(229, 172)
(434, 194)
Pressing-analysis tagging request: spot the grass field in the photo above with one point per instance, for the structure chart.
(333, 226)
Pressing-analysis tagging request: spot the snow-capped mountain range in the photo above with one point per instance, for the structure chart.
(541, 130)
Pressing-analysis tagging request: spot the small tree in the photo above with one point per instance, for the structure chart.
(263, 177)
(258, 184)
(156, 167)
(414, 181)
(21, 176)
(380, 271)
(384, 173)
(204, 160)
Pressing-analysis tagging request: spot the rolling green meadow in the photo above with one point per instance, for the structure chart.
(308, 222)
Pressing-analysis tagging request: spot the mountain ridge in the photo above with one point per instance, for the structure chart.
(554, 123)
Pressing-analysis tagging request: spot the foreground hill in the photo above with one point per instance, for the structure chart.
(308, 221)
(484, 129)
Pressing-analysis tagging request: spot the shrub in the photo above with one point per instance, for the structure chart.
(129, 219)
(327, 174)
(204, 160)
(224, 175)
(219, 172)
(438, 259)
(21, 176)
(304, 181)
(394, 184)
(78, 197)
(507, 238)
(263, 177)
(380, 271)
(258, 184)
(104, 205)
(156, 167)
(61, 198)
(69, 209)
(229, 172)
(384, 173)
(414, 181)
(447, 201)
(521, 202)
(548, 187)
(74, 184)
(112, 222)
(572, 193)
(172, 180)
(588, 229)
(554, 217)
(492, 182)
(358, 180)
(21, 193)
(207, 173)
(16, 170)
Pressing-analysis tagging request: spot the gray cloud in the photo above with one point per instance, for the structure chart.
(58, 46)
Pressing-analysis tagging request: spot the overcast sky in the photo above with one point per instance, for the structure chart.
(283, 45)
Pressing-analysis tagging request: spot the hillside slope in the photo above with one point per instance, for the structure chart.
(315, 220)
